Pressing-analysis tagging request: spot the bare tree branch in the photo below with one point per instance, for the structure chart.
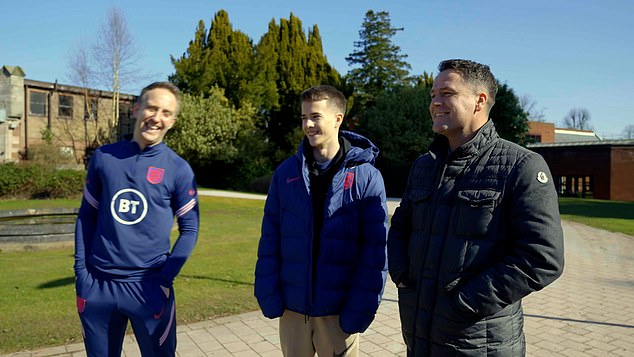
(82, 75)
(116, 56)
(529, 106)
(578, 118)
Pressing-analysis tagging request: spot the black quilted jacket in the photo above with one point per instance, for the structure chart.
(476, 231)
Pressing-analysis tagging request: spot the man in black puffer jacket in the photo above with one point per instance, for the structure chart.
(477, 229)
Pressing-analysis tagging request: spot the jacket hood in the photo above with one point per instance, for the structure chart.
(362, 150)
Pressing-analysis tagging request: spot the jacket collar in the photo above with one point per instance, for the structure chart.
(484, 137)
(360, 149)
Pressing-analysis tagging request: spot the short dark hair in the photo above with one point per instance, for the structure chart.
(325, 92)
(163, 85)
(475, 74)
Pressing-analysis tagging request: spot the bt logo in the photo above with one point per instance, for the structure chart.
(128, 206)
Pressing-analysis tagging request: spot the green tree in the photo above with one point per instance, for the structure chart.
(223, 57)
(190, 69)
(511, 121)
(380, 66)
(214, 136)
(270, 75)
(399, 123)
(266, 74)
(295, 62)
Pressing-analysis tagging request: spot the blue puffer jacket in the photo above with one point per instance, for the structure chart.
(351, 266)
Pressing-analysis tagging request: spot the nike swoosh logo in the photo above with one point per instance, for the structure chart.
(291, 179)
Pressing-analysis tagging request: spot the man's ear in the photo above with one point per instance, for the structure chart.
(338, 120)
(482, 101)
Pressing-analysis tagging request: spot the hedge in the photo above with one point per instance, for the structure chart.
(28, 181)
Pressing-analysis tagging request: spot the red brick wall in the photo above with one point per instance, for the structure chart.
(622, 174)
(544, 130)
(611, 167)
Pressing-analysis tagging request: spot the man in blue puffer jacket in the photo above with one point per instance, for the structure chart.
(322, 261)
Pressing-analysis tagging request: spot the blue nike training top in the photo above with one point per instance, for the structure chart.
(127, 214)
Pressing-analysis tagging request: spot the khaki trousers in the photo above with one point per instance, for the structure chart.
(302, 336)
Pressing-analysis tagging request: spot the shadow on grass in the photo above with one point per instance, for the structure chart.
(57, 283)
(218, 279)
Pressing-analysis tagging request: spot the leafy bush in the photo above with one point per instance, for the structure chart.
(37, 181)
(13, 178)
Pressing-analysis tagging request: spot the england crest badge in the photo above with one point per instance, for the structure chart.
(155, 175)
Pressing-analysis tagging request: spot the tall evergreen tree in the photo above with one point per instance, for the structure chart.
(299, 63)
(231, 57)
(380, 66)
(266, 74)
(224, 57)
(190, 68)
(270, 75)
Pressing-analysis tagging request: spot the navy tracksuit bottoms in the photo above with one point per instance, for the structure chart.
(109, 305)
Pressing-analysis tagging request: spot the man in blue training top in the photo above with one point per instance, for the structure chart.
(322, 260)
(124, 268)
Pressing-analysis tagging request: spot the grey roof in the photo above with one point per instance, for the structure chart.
(573, 137)
(624, 142)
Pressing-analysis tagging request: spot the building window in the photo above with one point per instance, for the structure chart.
(37, 103)
(575, 186)
(65, 106)
(534, 138)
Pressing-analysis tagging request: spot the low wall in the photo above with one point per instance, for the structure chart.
(42, 225)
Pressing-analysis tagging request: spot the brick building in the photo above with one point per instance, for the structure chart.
(583, 165)
(592, 169)
(72, 118)
(541, 132)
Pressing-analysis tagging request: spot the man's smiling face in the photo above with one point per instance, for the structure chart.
(155, 115)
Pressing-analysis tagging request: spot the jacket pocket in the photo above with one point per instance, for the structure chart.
(420, 206)
(475, 212)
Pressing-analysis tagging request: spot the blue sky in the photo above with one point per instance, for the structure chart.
(563, 54)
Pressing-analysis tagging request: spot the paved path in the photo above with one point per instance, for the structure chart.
(589, 311)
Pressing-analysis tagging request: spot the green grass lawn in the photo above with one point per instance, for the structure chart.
(37, 298)
(614, 216)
